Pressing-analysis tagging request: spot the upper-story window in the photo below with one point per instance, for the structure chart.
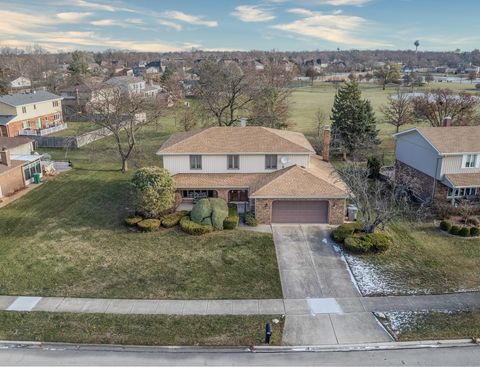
(34, 106)
(24, 109)
(233, 161)
(195, 162)
(271, 161)
(55, 103)
(470, 161)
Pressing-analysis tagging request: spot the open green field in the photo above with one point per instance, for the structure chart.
(421, 260)
(409, 326)
(67, 238)
(138, 329)
(76, 128)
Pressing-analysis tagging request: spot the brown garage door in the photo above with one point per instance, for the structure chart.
(301, 211)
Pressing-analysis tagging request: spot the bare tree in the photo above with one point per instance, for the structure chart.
(378, 202)
(223, 90)
(472, 76)
(123, 115)
(186, 115)
(399, 110)
(433, 106)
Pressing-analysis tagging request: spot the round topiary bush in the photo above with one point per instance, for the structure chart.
(454, 230)
(343, 231)
(201, 210)
(474, 231)
(133, 221)
(149, 225)
(211, 211)
(445, 226)
(172, 220)
(380, 241)
(464, 232)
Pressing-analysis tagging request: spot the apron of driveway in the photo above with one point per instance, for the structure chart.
(312, 275)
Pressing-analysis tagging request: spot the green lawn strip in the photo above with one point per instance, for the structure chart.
(436, 325)
(138, 329)
(423, 259)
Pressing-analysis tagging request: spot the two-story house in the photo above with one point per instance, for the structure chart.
(30, 113)
(276, 174)
(444, 161)
(134, 85)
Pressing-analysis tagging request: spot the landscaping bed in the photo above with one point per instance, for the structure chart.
(138, 329)
(420, 260)
(432, 325)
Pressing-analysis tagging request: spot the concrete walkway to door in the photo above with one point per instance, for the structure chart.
(311, 270)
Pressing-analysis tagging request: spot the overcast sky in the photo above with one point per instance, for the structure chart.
(170, 25)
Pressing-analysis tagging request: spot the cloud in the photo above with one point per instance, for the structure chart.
(324, 2)
(72, 17)
(100, 6)
(252, 13)
(335, 28)
(190, 19)
(169, 24)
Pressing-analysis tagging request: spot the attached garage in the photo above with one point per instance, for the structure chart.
(300, 211)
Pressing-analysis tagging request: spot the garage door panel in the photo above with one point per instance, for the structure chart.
(300, 211)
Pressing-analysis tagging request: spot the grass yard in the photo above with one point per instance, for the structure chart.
(137, 329)
(433, 325)
(421, 260)
(67, 238)
(76, 128)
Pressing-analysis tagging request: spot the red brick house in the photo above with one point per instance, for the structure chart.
(276, 174)
(30, 113)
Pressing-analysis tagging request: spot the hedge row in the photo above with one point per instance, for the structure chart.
(152, 224)
(172, 220)
(193, 228)
(459, 231)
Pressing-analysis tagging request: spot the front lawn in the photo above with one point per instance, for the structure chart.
(67, 238)
(433, 325)
(421, 260)
(137, 329)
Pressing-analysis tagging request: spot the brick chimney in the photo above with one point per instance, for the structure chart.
(447, 121)
(5, 157)
(327, 136)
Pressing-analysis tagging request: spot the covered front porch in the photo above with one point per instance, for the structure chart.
(187, 197)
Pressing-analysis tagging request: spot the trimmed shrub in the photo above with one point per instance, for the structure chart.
(193, 228)
(250, 220)
(357, 245)
(219, 212)
(474, 231)
(454, 230)
(133, 221)
(149, 225)
(380, 241)
(464, 232)
(172, 220)
(445, 225)
(207, 221)
(201, 210)
(231, 222)
(343, 231)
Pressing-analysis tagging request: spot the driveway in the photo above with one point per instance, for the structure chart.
(322, 302)
(309, 266)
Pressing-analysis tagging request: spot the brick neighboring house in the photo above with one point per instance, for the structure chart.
(275, 174)
(17, 164)
(444, 160)
(29, 113)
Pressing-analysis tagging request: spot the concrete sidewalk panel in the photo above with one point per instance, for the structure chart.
(121, 306)
(271, 306)
(170, 307)
(145, 307)
(195, 307)
(245, 307)
(308, 330)
(296, 307)
(6, 301)
(220, 307)
(48, 304)
(356, 328)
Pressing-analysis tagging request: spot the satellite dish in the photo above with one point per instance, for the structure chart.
(284, 159)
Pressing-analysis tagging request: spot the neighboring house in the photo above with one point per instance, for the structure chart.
(21, 83)
(76, 98)
(274, 173)
(134, 85)
(444, 161)
(30, 113)
(17, 164)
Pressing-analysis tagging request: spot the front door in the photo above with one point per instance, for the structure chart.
(238, 195)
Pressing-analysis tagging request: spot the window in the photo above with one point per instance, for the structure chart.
(32, 168)
(55, 103)
(25, 125)
(34, 106)
(24, 109)
(233, 161)
(195, 162)
(56, 116)
(271, 161)
(194, 194)
(469, 161)
(463, 192)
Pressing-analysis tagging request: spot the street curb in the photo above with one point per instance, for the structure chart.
(239, 349)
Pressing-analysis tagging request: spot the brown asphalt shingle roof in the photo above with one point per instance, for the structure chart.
(10, 143)
(454, 139)
(464, 179)
(250, 139)
(320, 180)
(13, 165)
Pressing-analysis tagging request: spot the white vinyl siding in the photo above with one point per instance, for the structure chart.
(248, 163)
